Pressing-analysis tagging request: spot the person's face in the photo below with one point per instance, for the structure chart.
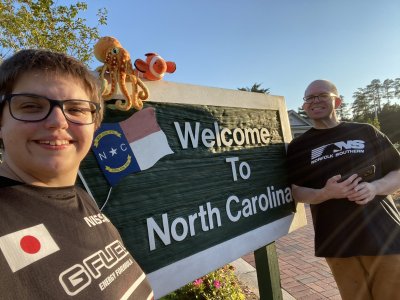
(320, 107)
(50, 149)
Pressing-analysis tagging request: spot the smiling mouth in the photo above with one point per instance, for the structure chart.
(317, 107)
(55, 143)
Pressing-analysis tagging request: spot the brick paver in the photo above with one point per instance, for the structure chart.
(303, 275)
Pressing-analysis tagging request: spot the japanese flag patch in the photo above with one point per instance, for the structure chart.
(24, 247)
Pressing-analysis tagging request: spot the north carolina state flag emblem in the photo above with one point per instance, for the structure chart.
(24, 247)
(130, 146)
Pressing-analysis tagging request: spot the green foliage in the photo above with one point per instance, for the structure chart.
(343, 111)
(374, 96)
(44, 24)
(374, 122)
(389, 121)
(221, 284)
(255, 89)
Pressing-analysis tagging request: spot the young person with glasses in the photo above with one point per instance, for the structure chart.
(50, 248)
(357, 225)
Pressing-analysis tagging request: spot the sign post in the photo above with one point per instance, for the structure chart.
(267, 269)
(198, 179)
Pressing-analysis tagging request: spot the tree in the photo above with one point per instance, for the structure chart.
(374, 121)
(370, 101)
(362, 108)
(396, 87)
(343, 110)
(255, 89)
(44, 24)
(374, 92)
(388, 89)
(389, 120)
(372, 105)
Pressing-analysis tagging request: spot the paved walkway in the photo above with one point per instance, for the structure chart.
(303, 276)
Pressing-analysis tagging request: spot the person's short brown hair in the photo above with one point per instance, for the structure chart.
(49, 62)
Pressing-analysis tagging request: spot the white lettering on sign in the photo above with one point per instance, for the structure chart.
(180, 227)
(209, 218)
(220, 137)
(244, 168)
(262, 202)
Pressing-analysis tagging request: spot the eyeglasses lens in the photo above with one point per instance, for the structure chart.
(35, 108)
(320, 97)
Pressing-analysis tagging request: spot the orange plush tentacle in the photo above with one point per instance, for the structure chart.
(113, 79)
(124, 90)
(119, 65)
(144, 93)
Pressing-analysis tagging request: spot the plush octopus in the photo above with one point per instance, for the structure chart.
(118, 67)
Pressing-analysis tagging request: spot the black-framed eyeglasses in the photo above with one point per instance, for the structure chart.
(35, 108)
(320, 97)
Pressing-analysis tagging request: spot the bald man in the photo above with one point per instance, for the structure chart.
(357, 225)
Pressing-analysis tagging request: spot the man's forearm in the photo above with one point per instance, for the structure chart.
(308, 195)
(388, 184)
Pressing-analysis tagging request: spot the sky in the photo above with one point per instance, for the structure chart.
(282, 44)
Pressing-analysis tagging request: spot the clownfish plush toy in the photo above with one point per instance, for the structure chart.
(154, 67)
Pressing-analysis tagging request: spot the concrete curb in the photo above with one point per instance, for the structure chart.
(247, 274)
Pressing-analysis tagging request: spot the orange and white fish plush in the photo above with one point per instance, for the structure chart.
(155, 67)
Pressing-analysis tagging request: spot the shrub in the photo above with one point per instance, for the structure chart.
(221, 284)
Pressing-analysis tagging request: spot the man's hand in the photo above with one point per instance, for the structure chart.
(363, 193)
(332, 190)
(336, 190)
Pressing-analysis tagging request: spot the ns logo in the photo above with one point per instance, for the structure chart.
(351, 144)
(337, 148)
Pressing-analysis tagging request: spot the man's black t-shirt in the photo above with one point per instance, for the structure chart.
(343, 228)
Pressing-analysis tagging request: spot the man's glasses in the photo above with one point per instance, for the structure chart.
(34, 108)
(321, 97)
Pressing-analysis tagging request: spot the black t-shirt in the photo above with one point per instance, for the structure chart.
(56, 244)
(343, 228)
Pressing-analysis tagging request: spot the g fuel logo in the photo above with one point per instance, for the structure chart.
(79, 276)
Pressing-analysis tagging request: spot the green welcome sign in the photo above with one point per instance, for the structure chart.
(219, 191)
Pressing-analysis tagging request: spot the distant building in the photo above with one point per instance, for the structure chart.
(298, 124)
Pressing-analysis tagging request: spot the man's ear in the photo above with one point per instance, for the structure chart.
(338, 102)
